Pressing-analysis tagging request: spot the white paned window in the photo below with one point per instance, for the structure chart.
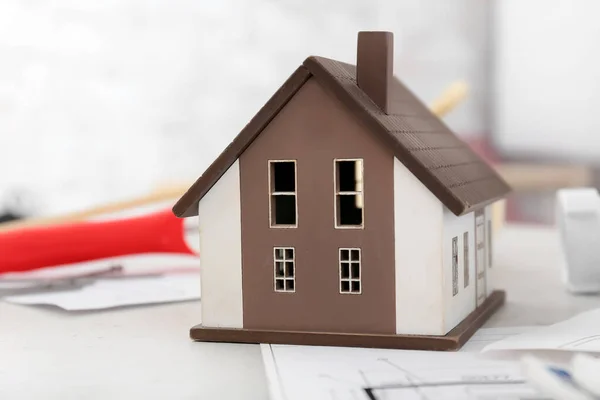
(455, 266)
(489, 243)
(284, 260)
(350, 271)
(466, 258)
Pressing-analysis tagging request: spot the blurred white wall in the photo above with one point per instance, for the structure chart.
(547, 79)
(106, 99)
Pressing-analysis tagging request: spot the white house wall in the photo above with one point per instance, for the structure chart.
(219, 216)
(457, 307)
(418, 234)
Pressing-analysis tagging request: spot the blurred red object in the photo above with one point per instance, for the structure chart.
(31, 248)
(482, 147)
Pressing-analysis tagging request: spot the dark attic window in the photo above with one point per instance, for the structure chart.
(349, 193)
(283, 204)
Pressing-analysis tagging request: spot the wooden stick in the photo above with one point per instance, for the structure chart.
(539, 177)
(449, 99)
(157, 197)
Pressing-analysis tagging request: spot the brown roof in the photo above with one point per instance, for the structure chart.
(445, 164)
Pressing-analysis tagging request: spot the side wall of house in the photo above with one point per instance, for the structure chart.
(221, 253)
(418, 224)
(459, 297)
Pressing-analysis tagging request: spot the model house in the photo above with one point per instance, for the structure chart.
(345, 213)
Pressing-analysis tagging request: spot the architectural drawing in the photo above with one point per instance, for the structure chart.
(332, 373)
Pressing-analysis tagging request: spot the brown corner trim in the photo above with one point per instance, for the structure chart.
(452, 341)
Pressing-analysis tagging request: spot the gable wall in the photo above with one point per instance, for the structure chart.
(314, 129)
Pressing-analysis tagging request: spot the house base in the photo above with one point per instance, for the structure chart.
(453, 340)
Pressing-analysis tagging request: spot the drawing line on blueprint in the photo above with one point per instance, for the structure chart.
(333, 393)
(370, 392)
(417, 384)
(409, 376)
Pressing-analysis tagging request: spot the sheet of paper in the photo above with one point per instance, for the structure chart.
(135, 263)
(337, 373)
(487, 336)
(111, 293)
(580, 333)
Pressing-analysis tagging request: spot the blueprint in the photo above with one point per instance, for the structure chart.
(337, 373)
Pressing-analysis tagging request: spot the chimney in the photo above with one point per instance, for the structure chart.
(374, 66)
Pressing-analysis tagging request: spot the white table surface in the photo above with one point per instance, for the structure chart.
(145, 352)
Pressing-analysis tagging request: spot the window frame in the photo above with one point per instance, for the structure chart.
(454, 266)
(350, 262)
(466, 272)
(337, 193)
(272, 193)
(489, 242)
(284, 278)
